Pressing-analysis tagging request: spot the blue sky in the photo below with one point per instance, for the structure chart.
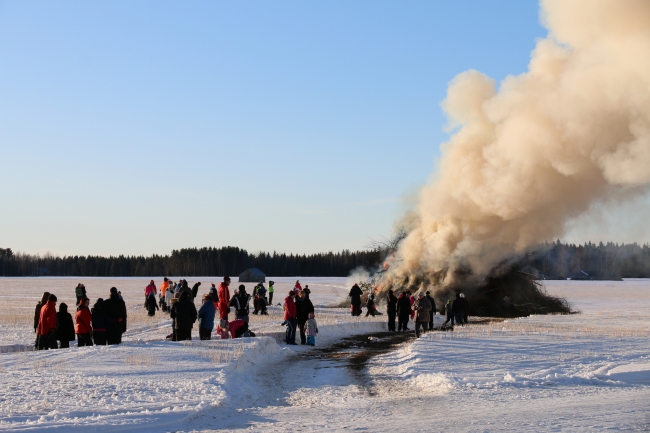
(142, 127)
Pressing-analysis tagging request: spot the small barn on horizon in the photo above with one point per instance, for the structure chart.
(252, 275)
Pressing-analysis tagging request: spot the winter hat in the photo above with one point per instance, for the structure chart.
(63, 307)
(428, 292)
(292, 293)
(52, 297)
(421, 294)
(462, 295)
(151, 282)
(214, 285)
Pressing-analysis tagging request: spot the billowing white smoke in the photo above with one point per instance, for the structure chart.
(527, 158)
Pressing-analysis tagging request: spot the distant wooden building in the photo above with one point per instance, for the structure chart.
(252, 275)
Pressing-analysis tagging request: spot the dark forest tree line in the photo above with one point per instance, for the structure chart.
(600, 261)
(553, 260)
(187, 262)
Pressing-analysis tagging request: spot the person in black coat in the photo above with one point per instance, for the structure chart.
(195, 290)
(304, 306)
(115, 317)
(459, 308)
(99, 320)
(391, 310)
(151, 305)
(432, 314)
(240, 303)
(184, 315)
(64, 326)
(403, 311)
(355, 300)
(214, 294)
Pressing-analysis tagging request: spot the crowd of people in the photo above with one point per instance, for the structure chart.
(299, 315)
(106, 321)
(421, 309)
(103, 324)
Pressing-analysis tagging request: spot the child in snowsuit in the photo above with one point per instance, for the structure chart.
(151, 304)
(311, 330)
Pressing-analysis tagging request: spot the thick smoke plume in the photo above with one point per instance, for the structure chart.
(539, 151)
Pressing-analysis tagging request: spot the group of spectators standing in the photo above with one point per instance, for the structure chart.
(421, 309)
(103, 324)
(216, 304)
(299, 315)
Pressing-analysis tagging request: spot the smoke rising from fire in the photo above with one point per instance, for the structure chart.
(539, 151)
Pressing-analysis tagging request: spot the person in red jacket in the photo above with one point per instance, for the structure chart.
(224, 298)
(83, 327)
(290, 318)
(47, 325)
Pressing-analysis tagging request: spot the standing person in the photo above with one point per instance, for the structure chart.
(449, 313)
(458, 308)
(262, 291)
(297, 287)
(99, 319)
(37, 315)
(184, 315)
(151, 305)
(466, 309)
(151, 288)
(304, 308)
(206, 317)
(169, 295)
(355, 300)
(47, 325)
(80, 292)
(214, 294)
(312, 330)
(240, 302)
(173, 302)
(224, 297)
(115, 316)
(422, 308)
(271, 290)
(290, 318)
(195, 290)
(403, 311)
(432, 314)
(370, 306)
(391, 310)
(163, 293)
(64, 326)
(83, 326)
(261, 303)
(412, 301)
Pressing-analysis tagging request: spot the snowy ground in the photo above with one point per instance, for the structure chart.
(589, 371)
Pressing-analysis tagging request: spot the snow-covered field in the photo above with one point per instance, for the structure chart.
(589, 371)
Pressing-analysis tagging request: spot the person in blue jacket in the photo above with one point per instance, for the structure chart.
(206, 317)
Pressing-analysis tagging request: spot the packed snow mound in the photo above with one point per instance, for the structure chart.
(433, 383)
(631, 373)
